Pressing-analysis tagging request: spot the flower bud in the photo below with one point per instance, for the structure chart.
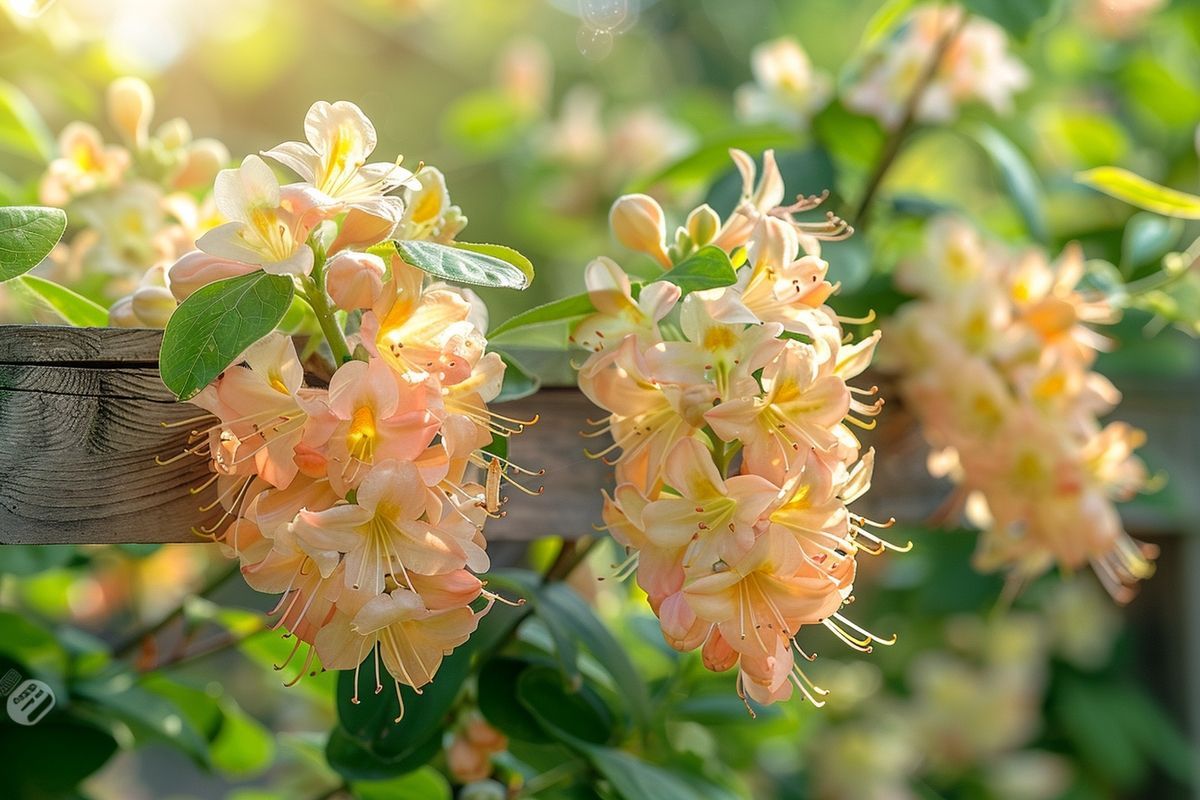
(703, 224)
(361, 230)
(484, 736)
(197, 269)
(638, 222)
(354, 280)
(130, 107)
(120, 314)
(174, 134)
(153, 305)
(466, 763)
(204, 159)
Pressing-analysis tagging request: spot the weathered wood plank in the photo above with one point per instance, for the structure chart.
(61, 345)
(82, 413)
(77, 457)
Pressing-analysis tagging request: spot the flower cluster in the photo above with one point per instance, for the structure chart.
(355, 502)
(975, 65)
(140, 202)
(996, 357)
(731, 421)
(786, 88)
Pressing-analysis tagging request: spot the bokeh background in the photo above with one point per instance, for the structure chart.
(538, 123)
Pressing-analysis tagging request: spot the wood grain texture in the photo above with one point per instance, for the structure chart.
(82, 413)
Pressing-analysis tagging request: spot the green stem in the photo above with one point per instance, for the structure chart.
(313, 287)
(891, 148)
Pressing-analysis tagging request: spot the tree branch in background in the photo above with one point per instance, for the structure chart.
(891, 147)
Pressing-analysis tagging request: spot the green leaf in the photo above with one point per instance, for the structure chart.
(504, 253)
(355, 759)
(1020, 181)
(634, 779)
(853, 139)
(1137, 191)
(884, 21)
(499, 704)
(424, 784)
(563, 603)
(456, 263)
(216, 324)
(149, 714)
(563, 712)
(27, 235)
(31, 559)
(1018, 17)
(576, 305)
(75, 309)
(243, 747)
(518, 382)
(707, 268)
(22, 130)
(1148, 237)
(51, 759)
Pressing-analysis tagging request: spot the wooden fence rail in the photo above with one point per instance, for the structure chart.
(82, 413)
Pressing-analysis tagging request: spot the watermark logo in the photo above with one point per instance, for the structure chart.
(28, 700)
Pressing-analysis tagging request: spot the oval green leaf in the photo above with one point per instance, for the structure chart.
(1137, 191)
(456, 263)
(216, 324)
(707, 268)
(504, 253)
(27, 235)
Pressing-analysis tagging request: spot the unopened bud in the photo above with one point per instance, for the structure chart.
(174, 134)
(204, 159)
(354, 280)
(153, 306)
(120, 314)
(638, 222)
(130, 107)
(703, 224)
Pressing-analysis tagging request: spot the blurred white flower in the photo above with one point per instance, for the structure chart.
(786, 89)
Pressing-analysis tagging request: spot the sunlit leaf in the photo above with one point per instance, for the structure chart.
(707, 268)
(424, 784)
(462, 265)
(22, 130)
(75, 309)
(27, 235)
(576, 305)
(1137, 191)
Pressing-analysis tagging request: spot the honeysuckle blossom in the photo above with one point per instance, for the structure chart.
(786, 88)
(975, 65)
(999, 372)
(730, 417)
(265, 228)
(357, 503)
(333, 163)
